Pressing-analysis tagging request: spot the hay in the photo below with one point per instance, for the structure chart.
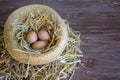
(62, 68)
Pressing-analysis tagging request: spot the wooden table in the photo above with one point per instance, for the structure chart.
(99, 24)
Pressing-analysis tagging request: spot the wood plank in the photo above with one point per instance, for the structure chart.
(99, 24)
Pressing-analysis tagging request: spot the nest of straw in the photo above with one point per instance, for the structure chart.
(60, 69)
(34, 22)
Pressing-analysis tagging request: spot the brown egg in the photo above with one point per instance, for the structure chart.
(39, 45)
(31, 37)
(43, 35)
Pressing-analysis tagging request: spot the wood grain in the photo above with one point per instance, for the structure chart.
(99, 24)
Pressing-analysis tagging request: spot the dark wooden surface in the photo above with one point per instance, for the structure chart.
(99, 23)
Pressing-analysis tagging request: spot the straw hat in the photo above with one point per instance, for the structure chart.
(34, 59)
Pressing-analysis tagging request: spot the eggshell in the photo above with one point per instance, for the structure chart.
(31, 37)
(39, 45)
(43, 35)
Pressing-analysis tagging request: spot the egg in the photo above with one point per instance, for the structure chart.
(39, 45)
(31, 37)
(43, 35)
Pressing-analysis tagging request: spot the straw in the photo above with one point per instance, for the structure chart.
(62, 68)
